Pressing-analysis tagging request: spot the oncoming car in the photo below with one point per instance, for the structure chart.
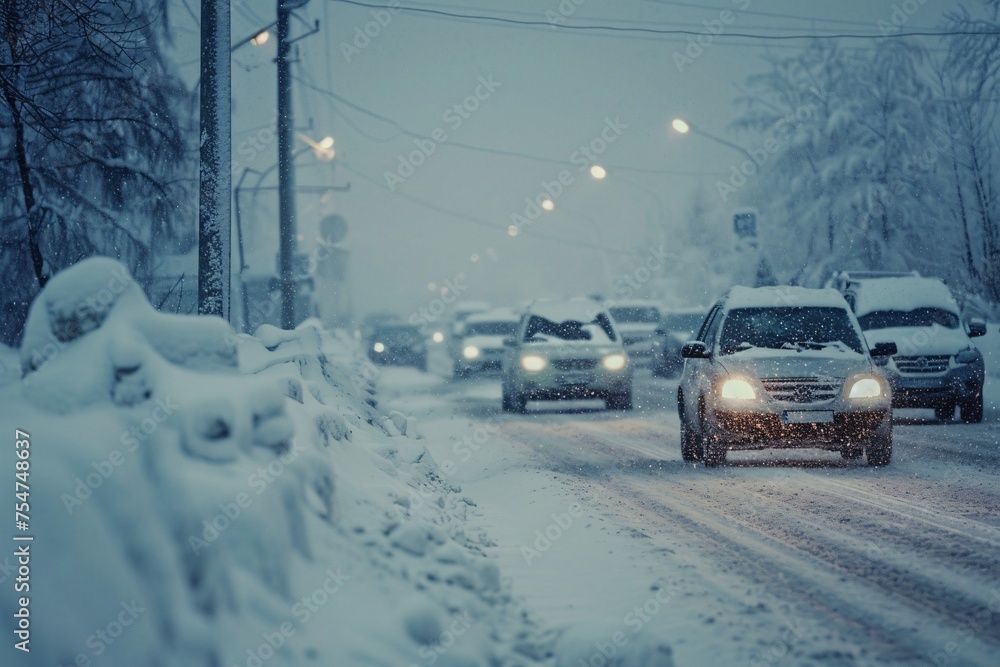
(398, 344)
(566, 351)
(481, 345)
(938, 366)
(777, 367)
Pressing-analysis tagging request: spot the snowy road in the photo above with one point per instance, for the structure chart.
(780, 558)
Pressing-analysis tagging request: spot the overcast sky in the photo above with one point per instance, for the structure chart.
(542, 91)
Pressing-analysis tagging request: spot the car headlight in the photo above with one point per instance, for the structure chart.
(470, 352)
(614, 362)
(438, 337)
(533, 363)
(379, 347)
(865, 388)
(738, 389)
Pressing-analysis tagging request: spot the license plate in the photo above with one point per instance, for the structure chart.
(575, 379)
(808, 417)
(922, 383)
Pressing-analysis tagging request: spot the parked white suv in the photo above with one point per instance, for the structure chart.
(937, 365)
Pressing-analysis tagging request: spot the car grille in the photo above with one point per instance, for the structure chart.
(574, 364)
(802, 390)
(927, 364)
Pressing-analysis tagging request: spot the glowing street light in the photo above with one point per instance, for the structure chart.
(548, 204)
(598, 172)
(260, 39)
(682, 126)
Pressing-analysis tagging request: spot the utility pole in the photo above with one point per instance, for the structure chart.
(286, 170)
(215, 177)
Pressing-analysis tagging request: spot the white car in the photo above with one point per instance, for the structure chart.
(481, 345)
(563, 351)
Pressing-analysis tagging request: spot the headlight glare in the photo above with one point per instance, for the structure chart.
(614, 362)
(738, 389)
(865, 388)
(533, 363)
(470, 352)
(379, 347)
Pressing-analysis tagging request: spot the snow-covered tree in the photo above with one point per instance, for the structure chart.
(970, 84)
(848, 182)
(92, 141)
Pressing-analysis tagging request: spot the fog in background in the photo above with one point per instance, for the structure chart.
(551, 91)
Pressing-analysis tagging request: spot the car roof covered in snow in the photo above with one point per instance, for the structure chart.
(903, 294)
(494, 315)
(784, 296)
(581, 310)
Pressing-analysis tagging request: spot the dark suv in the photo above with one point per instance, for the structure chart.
(785, 367)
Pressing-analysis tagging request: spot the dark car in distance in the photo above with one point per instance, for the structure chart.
(675, 328)
(398, 344)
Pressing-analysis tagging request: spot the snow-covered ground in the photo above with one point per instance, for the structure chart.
(202, 498)
(779, 558)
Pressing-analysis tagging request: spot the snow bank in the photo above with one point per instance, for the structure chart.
(205, 498)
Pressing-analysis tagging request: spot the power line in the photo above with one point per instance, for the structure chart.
(488, 149)
(608, 19)
(479, 221)
(483, 18)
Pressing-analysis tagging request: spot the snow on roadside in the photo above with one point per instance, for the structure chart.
(205, 498)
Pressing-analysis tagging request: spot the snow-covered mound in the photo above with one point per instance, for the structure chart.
(199, 497)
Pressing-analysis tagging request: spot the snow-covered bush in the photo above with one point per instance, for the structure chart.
(200, 497)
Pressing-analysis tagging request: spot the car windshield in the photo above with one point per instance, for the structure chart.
(635, 315)
(541, 329)
(683, 322)
(793, 328)
(398, 334)
(490, 329)
(921, 317)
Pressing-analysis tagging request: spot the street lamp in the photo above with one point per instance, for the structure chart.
(682, 126)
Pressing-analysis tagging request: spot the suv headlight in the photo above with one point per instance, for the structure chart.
(865, 388)
(614, 362)
(470, 352)
(533, 363)
(737, 389)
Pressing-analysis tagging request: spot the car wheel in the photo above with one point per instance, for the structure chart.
(715, 452)
(852, 452)
(691, 445)
(878, 450)
(622, 401)
(514, 401)
(945, 413)
(972, 410)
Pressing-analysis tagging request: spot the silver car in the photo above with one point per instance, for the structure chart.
(783, 367)
(566, 351)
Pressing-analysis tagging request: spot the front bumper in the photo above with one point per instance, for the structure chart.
(740, 429)
(552, 384)
(936, 390)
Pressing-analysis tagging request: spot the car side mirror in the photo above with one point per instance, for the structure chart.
(695, 350)
(884, 350)
(977, 327)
